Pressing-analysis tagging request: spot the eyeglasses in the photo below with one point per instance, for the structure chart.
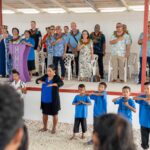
(52, 29)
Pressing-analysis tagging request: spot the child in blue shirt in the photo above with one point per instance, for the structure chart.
(100, 104)
(144, 115)
(81, 103)
(100, 101)
(126, 104)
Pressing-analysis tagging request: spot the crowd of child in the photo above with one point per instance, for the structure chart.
(50, 104)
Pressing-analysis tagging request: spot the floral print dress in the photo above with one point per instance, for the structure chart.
(85, 67)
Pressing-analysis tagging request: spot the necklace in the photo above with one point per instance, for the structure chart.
(85, 43)
(116, 35)
(58, 36)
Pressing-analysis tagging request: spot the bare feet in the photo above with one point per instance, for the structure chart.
(73, 137)
(114, 81)
(122, 81)
(43, 130)
(82, 137)
(53, 131)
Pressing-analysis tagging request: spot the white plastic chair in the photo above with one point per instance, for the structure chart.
(42, 61)
(110, 70)
(67, 62)
(106, 64)
(94, 65)
(132, 62)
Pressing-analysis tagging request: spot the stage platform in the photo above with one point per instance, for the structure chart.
(72, 86)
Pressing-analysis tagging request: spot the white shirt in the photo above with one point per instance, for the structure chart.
(18, 85)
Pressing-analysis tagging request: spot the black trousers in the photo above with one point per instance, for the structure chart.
(77, 123)
(95, 122)
(140, 72)
(45, 50)
(145, 132)
(100, 65)
(55, 62)
(77, 64)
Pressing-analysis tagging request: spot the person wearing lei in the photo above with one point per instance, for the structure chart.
(85, 48)
(16, 39)
(99, 46)
(37, 36)
(59, 52)
(50, 48)
(120, 51)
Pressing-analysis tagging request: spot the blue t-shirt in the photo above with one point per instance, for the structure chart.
(81, 110)
(59, 48)
(100, 104)
(71, 40)
(124, 110)
(46, 96)
(31, 55)
(144, 112)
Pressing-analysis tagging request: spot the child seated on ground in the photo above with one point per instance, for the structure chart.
(100, 104)
(144, 115)
(126, 104)
(81, 103)
(19, 85)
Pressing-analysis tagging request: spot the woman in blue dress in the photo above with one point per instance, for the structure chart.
(4, 55)
(50, 100)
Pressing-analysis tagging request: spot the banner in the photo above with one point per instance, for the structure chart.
(19, 54)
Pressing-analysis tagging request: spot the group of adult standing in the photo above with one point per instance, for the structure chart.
(82, 44)
(56, 43)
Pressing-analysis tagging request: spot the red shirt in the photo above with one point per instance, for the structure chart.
(44, 39)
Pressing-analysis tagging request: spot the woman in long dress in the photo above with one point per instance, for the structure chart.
(85, 47)
(16, 39)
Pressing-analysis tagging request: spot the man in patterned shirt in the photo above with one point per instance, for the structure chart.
(120, 51)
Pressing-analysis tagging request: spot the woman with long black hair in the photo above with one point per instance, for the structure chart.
(85, 48)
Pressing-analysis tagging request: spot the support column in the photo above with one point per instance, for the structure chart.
(144, 50)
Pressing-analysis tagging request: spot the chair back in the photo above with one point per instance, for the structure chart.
(68, 59)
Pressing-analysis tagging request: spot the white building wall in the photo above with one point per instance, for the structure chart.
(134, 20)
(66, 115)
